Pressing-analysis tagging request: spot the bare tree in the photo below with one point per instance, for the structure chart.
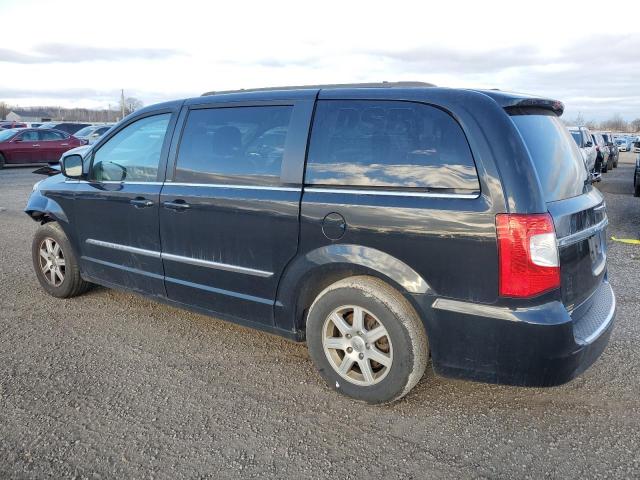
(635, 125)
(615, 123)
(4, 110)
(131, 104)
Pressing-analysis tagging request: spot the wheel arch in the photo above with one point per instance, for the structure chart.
(309, 274)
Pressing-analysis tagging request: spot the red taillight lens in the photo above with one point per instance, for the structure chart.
(527, 254)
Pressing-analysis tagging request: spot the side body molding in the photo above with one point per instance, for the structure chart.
(310, 273)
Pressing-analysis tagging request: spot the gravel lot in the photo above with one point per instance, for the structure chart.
(111, 385)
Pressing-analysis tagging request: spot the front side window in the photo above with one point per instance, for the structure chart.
(239, 145)
(132, 154)
(31, 136)
(388, 144)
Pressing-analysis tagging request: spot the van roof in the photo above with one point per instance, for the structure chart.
(505, 99)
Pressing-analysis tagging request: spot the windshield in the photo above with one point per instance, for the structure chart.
(556, 157)
(7, 134)
(84, 131)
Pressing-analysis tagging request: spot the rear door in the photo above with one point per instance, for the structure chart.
(229, 210)
(52, 145)
(577, 208)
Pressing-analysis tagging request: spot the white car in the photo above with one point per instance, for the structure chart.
(583, 139)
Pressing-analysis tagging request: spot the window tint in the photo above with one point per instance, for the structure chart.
(242, 145)
(555, 155)
(388, 144)
(31, 136)
(133, 153)
(49, 135)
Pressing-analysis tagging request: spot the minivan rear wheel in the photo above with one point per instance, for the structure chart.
(55, 262)
(366, 340)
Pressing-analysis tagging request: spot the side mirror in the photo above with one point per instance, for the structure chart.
(589, 144)
(17, 139)
(71, 166)
(595, 177)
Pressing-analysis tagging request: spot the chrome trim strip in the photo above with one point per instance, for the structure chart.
(123, 248)
(582, 234)
(239, 187)
(114, 182)
(217, 265)
(391, 193)
(179, 258)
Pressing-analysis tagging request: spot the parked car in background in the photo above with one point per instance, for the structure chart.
(6, 124)
(602, 148)
(92, 133)
(582, 137)
(624, 144)
(69, 127)
(636, 145)
(389, 227)
(636, 178)
(34, 145)
(613, 149)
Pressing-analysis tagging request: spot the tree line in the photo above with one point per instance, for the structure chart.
(615, 124)
(72, 114)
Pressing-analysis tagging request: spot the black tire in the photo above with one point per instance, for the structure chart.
(405, 339)
(636, 190)
(72, 283)
(1, 161)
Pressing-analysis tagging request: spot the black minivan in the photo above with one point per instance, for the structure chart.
(384, 224)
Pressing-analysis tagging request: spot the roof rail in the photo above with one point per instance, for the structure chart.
(330, 85)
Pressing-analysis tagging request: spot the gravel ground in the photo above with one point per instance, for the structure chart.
(111, 385)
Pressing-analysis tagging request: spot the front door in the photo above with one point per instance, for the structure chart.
(117, 207)
(24, 148)
(229, 216)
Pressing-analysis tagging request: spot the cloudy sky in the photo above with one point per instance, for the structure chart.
(79, 53)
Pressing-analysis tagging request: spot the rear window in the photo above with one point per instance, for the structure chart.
(556, 157)
(390, 145)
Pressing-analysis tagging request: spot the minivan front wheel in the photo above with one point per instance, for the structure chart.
(55, 263)
(366, 340)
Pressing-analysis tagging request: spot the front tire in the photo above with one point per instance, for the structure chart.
(366, 340)
(2, 161)
(55, 262)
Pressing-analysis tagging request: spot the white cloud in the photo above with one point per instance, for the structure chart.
(81, 54)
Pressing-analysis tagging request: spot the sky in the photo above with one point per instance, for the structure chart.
(80, 54)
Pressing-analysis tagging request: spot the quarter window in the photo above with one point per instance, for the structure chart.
(133, 153)
(238, 145)
(388, 144)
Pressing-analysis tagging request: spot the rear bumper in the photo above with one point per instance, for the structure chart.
(538, 346)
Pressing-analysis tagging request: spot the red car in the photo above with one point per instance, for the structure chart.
(34, 145)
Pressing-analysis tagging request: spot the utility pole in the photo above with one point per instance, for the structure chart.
(122, 102)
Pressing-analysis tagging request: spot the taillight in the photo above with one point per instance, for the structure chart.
(527, 254)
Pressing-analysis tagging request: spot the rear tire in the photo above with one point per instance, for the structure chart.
(55, 262)
(636, 190)
(2, 161)
(366, 340)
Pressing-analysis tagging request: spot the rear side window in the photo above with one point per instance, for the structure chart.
(555, 155)
(238, 145)
(388, 144)
(50, 135)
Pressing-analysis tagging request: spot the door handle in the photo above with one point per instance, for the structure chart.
(141, 203)
(178, 205)
(35, 145)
